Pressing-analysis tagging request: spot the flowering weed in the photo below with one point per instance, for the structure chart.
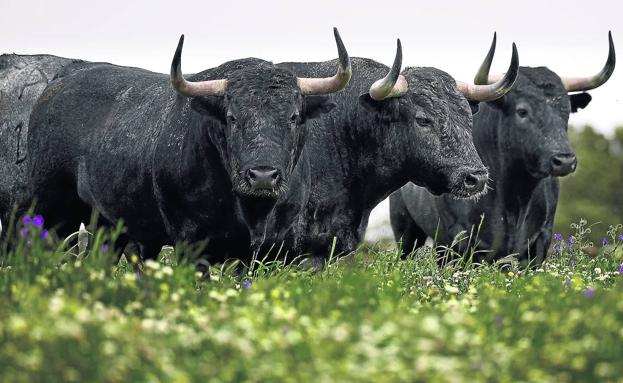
(75, 310)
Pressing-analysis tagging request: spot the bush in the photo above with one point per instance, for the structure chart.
(595, 191)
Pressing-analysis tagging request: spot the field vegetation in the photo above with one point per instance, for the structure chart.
(71, 312)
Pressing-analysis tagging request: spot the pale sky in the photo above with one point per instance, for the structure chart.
(570, 37)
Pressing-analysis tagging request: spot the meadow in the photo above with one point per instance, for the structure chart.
(69, 312)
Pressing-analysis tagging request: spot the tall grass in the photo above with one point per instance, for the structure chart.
(85, 313)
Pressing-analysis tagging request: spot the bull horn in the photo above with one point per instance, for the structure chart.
(579, 84)
(392, 85)
(482, 76)
(314, 86)
(497, 89)
(192, 89)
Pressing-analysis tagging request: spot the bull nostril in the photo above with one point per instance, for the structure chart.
(556, 161)
(470, 181)
(475, 181)
(276, 178)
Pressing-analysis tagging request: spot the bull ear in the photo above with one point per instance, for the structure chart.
(314, 106)
(387, 108)
(579, 101)
(474, 106)
(211, 106)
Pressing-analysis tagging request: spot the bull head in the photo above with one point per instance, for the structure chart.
(538, 113)
(263, 109)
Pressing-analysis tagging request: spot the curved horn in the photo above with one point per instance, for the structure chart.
(311, 86)
(482, 76)
(579, 84)
(191, 89)
(499, 88)
(392, 85)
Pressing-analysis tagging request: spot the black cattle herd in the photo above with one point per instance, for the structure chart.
(252, 156)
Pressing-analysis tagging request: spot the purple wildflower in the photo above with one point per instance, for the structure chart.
(499, 320)
(589, 292)
(558, 247)
(604, 241)
(570, 240)
(23, 232)
(26, 220)
(246, 284)
(104, 248)
(621, 269)
(44, 233)
(38, 220)
(620, 237)
(558, 237)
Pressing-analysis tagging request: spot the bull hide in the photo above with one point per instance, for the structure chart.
(22, 80)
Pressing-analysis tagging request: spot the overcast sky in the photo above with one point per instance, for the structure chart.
(569, 37)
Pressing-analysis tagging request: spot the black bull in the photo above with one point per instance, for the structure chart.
(166, 159)
(522, 139)
(367, 148)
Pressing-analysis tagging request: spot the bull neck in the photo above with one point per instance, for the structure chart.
(374, 170)
(511, 181)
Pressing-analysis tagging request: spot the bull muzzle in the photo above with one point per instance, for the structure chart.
(563, 164)
(263, 178)
(471, 183)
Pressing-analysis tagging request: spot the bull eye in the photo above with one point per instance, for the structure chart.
(294, 118)
(522, 112)
(231, 119)
(423, 121)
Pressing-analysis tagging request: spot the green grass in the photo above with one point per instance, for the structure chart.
(70, 315)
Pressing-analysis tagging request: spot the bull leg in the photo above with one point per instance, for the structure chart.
(58, 201)
(538, 249)
(404, 227)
